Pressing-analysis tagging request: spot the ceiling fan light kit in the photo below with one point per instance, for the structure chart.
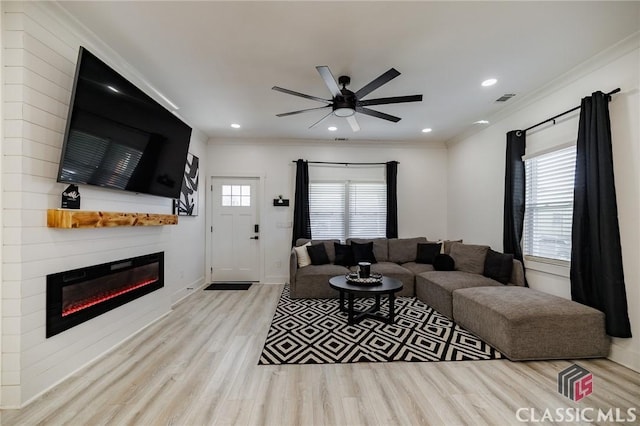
(345, 103)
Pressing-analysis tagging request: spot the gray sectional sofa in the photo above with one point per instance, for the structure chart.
(395, 258)
(522, 323)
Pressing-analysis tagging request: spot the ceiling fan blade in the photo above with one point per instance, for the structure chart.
(329, 80)
(378, 114)
(383, 79)
(353, 123)
(318, 122)
(284, 114)
(393, 100)
(302, 95)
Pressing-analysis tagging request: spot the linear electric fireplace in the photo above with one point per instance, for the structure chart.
(76, 296)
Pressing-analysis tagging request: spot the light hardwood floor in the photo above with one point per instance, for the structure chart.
(198, 366)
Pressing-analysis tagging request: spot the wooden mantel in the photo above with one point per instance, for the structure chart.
(64, 218)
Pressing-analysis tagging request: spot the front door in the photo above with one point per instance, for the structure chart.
(235, 230)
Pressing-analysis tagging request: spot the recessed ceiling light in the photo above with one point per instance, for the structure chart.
(427, 130)
(481, 122)
(333, 128)
(235, 125)
(489, 82)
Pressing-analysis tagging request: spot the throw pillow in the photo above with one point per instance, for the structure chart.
(303, 255)
(318, 254)
(446, 245)
(469, 257)
(363, 252)
(427, 252)
(498, 266)
(443, 262)
(344, 255)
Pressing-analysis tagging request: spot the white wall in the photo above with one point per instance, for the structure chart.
(476, 172)
(422, 194)
(40, 48)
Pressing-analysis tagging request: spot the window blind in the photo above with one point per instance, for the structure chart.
(327, 201)
(367, 210)
(341, 210)
(549, 204)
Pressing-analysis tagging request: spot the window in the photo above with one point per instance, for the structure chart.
(341, 210)
(549, 204)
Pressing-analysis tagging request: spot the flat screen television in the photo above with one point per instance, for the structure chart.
(118, 137)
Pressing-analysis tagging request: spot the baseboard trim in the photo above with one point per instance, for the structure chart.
(191, 288)
(625, 357)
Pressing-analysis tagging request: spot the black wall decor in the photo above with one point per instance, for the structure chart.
(280, 202)
(187, 204)
(70, 198)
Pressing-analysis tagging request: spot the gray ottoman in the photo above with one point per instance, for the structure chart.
(526, 324)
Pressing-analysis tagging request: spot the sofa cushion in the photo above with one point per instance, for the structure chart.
(402, 250)
(393, 270)
(344, 255)
(443, 262)
(363, 252)
(303, 255)
(427, 252)
(380, 247)
(435, 287)
(469, 257)
(417, 268)
(318, 254)
(498, 266)
(313, 281)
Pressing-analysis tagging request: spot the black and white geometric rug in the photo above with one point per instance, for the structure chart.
(314, 331)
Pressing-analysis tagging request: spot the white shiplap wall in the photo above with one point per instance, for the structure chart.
(40, 48)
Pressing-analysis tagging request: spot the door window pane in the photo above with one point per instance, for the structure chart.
(236, 195)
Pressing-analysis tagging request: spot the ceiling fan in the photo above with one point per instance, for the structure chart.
(345, 103)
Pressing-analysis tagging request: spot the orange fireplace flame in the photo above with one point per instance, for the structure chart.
(84, 304)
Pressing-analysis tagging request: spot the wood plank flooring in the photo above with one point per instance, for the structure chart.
(198, 366)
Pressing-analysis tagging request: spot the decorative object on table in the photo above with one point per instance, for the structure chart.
(364, 269)
(314, 331)
(373, 279)
(187, 204)
(280, 202)
(71, 197)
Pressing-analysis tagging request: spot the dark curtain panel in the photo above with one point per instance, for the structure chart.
(597, 278)
(514, 190)
(301, 219)
(392, 199)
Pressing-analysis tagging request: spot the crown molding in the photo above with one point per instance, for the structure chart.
(218, 141)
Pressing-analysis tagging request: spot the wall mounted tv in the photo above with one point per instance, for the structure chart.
(118, 137)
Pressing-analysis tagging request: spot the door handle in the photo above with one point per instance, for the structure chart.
(254, 238)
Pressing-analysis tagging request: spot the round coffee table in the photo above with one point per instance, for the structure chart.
(388, 287)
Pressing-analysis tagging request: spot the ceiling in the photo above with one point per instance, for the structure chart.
(218, 60)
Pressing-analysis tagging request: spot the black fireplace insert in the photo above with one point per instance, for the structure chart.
(76, 296)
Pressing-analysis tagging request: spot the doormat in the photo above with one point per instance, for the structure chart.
(315, 331)
(228, 286)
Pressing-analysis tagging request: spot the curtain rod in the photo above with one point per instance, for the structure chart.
(345, 164)
(613, 92)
